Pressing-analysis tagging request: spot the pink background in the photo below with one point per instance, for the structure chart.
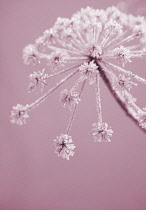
(109, 176)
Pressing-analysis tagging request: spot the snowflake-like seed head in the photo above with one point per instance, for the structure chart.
(122, 55)
(102, 132)
(19, 114)
(88, 71)
(37, 81)
(93, 49)
(64, 146)
(50, 36)
(69, 99)
(114, 27)
(55, 60)
(122, 83)
(30, 55)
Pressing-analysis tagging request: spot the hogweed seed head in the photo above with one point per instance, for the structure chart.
(37, 81)
(123, 84)
(88, 71)
(19, 114)
(102, 132)
(122, 55)
(30, 55)
(55, 60)
(88, 45)
(69, 99)
(64, 146)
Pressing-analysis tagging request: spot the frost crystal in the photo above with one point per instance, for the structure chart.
(92, 45)
(64, 146)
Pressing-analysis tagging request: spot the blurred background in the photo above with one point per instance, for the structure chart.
(103, 176)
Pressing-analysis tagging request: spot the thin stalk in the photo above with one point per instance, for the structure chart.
(115, 94)
(74, 111)
(63, 71)
(129, 73)
(98, 99)
(51, 90)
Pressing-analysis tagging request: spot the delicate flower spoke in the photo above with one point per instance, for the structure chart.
(129, 73)
(98, 99)
(74, 111)
(42, 98)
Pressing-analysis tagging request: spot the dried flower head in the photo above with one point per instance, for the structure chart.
(101, 132)
(69, 99)
(122, 54)
(37, 81)
(123, 84)
(64, 146)
(19, 114)
(30, 55)
(93, 44)
(89, 71)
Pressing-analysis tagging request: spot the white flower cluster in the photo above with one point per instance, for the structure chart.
(19, 114)
(69, 99)
(64, 146)
(93, 44)
(37, 81)
(102, 132)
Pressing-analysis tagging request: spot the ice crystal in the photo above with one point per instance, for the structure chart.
(93, 44)
(64, 146)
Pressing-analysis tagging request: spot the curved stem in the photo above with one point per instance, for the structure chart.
(117, 97)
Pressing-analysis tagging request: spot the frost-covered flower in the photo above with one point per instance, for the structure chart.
(37, 81)
(19, 114)
(122, 83)
(55, 60)
(64, 146)
(69, 99)
(102, 132)
(89, 71)
(92, 45)
(30, 55)
(93, 49)
(50, 36)
(122, 54)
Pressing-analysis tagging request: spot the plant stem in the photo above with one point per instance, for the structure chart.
(116, 95)
(74, 111)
